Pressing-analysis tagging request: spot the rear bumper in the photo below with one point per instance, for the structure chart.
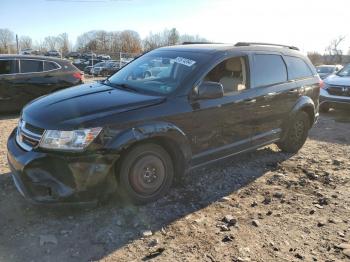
(48, 178)
(335, 101)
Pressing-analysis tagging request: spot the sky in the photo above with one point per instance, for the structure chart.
(308, 24)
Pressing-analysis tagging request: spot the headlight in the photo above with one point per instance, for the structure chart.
(76, 140)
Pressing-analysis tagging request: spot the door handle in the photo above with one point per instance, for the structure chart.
(293, 91)
(250, 101)
(270, 95)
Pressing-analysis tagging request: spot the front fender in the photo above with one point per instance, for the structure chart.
(151, 130)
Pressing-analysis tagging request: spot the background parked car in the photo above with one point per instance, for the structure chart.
(336, 90)
(73, 55)
(89, 64)
(105, 69)
(104, 57)
(79, 63)
(54, 53)
(326, 70)
(89, 55)
(24, 78)
(29, 51)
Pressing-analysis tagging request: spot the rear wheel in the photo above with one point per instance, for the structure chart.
(296, 134)
(146, 173)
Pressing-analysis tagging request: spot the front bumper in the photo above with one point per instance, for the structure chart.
(333, 101)
(46, 178)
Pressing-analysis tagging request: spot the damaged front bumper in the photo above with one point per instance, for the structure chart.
(50, 177)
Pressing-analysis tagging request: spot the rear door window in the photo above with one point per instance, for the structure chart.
(8, 67)
(269, 69)
(31, 66)
(48, 66)
(297, 68)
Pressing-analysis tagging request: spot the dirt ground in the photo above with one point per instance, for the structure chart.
(260, 206)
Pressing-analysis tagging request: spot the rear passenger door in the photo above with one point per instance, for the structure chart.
(301, 74)
(272, 92)
(8, 94)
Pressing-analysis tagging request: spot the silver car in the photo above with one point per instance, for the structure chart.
(336, 90)
(327, 70)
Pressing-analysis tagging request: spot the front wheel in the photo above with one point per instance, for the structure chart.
(146, 173)
(296, 134)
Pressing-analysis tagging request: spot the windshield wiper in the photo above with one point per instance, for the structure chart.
(122, 85)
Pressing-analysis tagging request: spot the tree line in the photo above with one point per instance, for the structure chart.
(99, 41)
(333, 53)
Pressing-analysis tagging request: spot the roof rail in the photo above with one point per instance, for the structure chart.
(257, 43)
(198, 43)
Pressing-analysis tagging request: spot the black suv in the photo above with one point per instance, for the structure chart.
(24, 78)
(138, 134)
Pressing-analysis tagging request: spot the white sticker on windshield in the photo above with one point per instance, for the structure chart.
(184, 61)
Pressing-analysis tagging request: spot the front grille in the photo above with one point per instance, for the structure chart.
(34, 129)
(28, 136)
(339, 90)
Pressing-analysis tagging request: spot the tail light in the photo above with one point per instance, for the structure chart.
(321, 83)
(79, 76)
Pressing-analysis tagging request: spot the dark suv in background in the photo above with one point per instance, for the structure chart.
(136, 134)
(24, 78)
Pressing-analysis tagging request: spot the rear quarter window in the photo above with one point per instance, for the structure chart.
(268, 70)
(48, 66)
(31, 66)
(297, 68)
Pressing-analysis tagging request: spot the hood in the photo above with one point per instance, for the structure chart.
(72, 107)
(338, 80)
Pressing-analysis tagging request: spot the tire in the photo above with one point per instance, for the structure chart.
(324, 108)
(146, 173)
(296, 134)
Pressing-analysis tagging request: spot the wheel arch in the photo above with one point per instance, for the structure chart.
(165, 134)
(305, 104)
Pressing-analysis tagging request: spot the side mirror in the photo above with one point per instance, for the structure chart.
(208, 90)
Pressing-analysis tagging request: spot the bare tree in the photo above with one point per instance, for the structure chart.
(315, 58)
(130, 42)
(40, 46)
(152, 41)
(87, 41)
(334, 52)
(192, 38)
(6, 41)
(25, 42)
(63, 43)
(52, 42)
(170, 37)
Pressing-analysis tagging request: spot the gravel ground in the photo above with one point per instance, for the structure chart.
(260, 206)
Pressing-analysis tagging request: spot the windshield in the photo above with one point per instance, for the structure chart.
(345, 71)
(159, 72)
(325, 69)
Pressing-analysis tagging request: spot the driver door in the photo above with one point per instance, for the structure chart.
(224, 126)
